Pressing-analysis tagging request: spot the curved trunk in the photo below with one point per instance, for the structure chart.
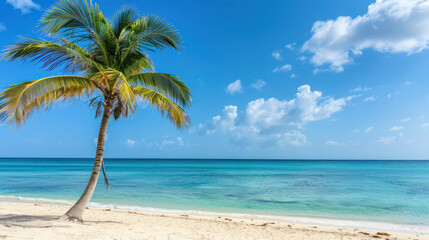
(75, 212)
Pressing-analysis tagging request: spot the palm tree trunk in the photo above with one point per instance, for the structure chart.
(75, 213)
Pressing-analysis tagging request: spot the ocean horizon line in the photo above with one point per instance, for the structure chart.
(224, 159)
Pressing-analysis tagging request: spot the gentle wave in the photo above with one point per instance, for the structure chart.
(299, 220)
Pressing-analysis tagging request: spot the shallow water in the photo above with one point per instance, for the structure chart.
(377, 191)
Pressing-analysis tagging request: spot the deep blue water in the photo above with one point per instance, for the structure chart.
(385, 191)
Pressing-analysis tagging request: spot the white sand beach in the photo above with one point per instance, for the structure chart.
(36, 221)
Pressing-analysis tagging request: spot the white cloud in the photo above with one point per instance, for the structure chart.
(277, 55)
(2, 27)
(370, 99)
(393, 26)
(223, 123)
(180, 141)
(396, 128)
(360, 89)
(284, 68)
(274, 120)
(290, 46)
(390, 95)
(425, 125)
(332, 143)
(258, 84)
(234, 87)
(130, 143)
(349, 98)
(368, 130)
(306, 107)
(295, 138)
(24, 5)
(168, 142)
(386, 140)
(405, 119)
(293, 75)
(302, 58)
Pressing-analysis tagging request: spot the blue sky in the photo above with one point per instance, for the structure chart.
(270, 79)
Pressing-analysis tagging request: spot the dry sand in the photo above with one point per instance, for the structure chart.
(35, 221)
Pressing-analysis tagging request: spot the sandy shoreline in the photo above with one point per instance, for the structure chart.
(36, 221)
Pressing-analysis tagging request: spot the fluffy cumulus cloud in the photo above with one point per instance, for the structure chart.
(393, 26)
(275, 121)
(306, 107)
(24, 5)
(224, 123)
(234, 87)
(258, 84)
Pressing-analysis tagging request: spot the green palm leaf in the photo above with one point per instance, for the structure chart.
(167, 84)
(167, 107)
(78, 20)
(16, 101)
(123, 20)
(150, 33)
(70, 55)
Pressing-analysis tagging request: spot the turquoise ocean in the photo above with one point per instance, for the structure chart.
(378, 194)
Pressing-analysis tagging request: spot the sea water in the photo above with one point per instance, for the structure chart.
(376, 192)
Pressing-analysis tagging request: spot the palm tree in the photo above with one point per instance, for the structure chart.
(106, 63)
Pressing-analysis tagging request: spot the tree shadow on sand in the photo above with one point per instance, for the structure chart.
(38, 221)
(27, 221)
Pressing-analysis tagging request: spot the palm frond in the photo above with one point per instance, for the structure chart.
(53, 55)
(98, 104)
(150, 33)
(18, 100)
(166, 106)
(121, 110)
(167, 84)
(123, 20)
(79, 21)
(135, 63)
(70, 16)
